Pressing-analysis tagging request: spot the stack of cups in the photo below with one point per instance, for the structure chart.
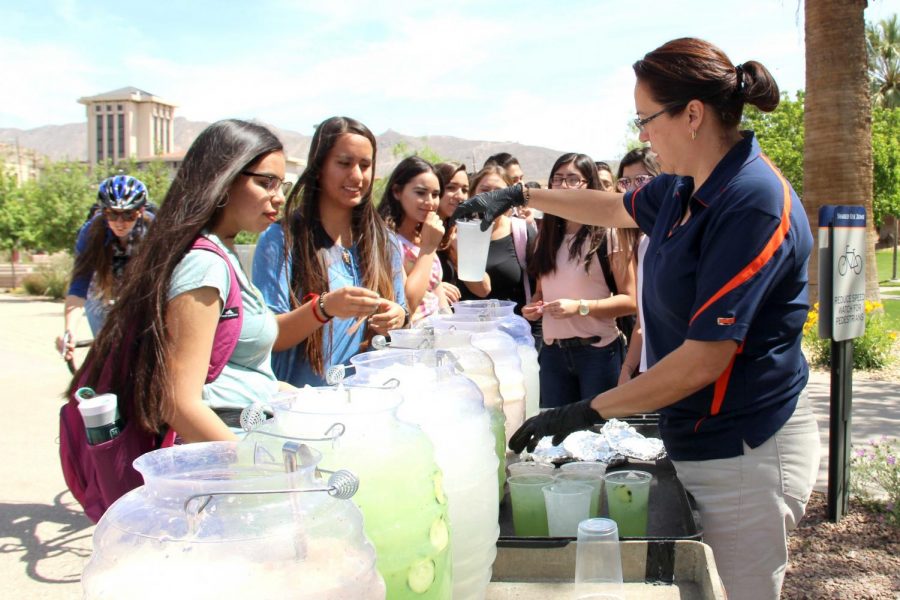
(598, 560)
(568, 504)
(472, 249)
(588, 473)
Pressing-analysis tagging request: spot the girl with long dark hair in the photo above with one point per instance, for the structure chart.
(105, 244)
(334, 250)
(583, 350)
(231, 180)
(409, 207)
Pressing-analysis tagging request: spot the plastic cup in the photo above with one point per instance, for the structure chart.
(471, 249)
(585, 478)
(529, 510)
(530, 468)
(598, 560)
(627, 493)
(568, 504)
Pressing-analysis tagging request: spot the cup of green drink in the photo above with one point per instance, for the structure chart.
(529, 510)
(627, 493)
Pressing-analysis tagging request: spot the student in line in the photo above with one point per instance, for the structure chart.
(333, 251)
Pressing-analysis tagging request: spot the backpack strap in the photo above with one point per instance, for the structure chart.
(520, 242)
(229, 328)
(603, 257)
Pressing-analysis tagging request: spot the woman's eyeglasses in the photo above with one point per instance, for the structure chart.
(121, 215)
(273, 184)
(625, 184)
(572, 181)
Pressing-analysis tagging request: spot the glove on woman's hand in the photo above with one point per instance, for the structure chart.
(491, 204)
(558, 422)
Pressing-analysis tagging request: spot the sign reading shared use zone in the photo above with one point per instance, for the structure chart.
(842, 272)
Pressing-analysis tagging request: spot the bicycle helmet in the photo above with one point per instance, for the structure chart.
(122, 192)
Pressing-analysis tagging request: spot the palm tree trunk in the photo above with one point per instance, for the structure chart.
(837, 163)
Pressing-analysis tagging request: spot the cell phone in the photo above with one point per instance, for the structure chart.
(67, 337)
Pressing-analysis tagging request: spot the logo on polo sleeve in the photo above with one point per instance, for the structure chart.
(725, 321)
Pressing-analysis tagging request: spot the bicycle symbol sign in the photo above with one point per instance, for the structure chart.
(850, 261)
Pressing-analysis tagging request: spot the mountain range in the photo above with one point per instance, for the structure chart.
(69, 142)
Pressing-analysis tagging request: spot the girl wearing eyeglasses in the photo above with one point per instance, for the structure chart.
(582, 351)
(725, 303)
(636, 168)
(331, 251)
(232, 179)
(105, 244)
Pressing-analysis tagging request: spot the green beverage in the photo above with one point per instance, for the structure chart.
(529, 510)
(627, 493)
(498, 428)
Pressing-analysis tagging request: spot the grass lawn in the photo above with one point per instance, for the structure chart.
(885, 260)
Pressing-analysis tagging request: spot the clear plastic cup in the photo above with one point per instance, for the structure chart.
(585, 478)
(627, 495)
(598, 560)
(529, 509)
(568, 504)
(472, 246)
(530, 468)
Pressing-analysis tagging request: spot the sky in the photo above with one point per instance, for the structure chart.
(553, 74)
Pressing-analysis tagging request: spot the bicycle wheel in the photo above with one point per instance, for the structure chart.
(842, 265)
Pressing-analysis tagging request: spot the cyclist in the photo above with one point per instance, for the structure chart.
(104, 245)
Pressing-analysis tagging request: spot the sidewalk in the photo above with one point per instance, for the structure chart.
(45, 538)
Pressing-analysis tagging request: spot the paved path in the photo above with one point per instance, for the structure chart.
(45, 538)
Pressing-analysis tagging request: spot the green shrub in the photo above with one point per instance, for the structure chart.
(875, 468)
(873, 350)
(51, 279)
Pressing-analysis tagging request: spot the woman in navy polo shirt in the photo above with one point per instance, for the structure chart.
(725, 302)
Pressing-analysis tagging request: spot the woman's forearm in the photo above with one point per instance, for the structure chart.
(295, 327)
(590, 207)
(72, 312)
(417, 279)
(689, 368)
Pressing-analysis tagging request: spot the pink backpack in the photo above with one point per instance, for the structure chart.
(520, 241)
(99, 475)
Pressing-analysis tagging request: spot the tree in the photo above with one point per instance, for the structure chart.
(886, 155)
(58, 203)
(158, 178)
(15, 232)
(837, 165)
(883, 50)
(780, 134)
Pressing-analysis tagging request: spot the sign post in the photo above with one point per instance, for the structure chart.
(842, 317)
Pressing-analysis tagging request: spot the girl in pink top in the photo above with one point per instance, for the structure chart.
(583, 350)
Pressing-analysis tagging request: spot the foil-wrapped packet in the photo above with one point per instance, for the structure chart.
(545, 452)
(616, 440)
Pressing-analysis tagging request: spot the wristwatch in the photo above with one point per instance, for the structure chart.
(583, 308)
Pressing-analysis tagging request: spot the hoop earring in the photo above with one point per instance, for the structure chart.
(693, 134)
(223, 202)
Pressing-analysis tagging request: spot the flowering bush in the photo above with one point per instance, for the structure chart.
(874, 471)
(872, 350)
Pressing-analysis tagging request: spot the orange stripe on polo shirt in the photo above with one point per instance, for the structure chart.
(767, 252)
(633, 196)
(722, 383)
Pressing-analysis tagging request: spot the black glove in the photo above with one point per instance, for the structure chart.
(491, 204)
(558, 422)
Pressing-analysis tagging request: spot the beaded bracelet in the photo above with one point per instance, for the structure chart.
(321, 302)
(316, 299)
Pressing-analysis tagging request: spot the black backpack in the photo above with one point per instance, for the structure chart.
(624, 323)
